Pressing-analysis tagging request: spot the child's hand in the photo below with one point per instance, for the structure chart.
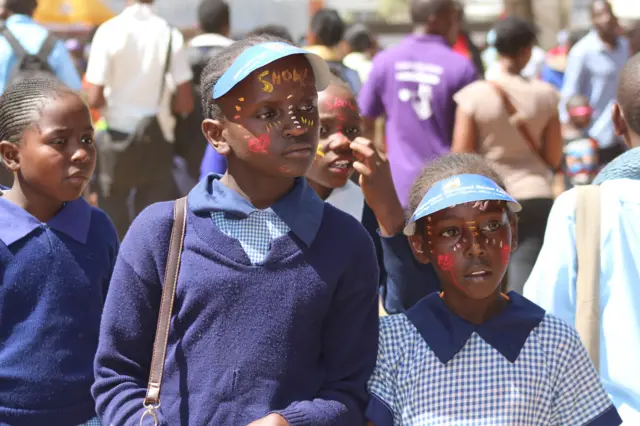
(271, 420)
(377, 186)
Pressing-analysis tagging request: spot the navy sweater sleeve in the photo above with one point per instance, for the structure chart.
(350, 346)
(129, 319)
(408, 280)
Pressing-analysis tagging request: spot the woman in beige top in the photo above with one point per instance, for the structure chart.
(483, 125)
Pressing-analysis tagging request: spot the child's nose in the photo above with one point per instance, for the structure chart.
(339, 141)
(294, 131)
(81, 155)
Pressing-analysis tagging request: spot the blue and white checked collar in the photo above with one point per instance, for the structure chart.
(446, 333)
(73, 220)
(301, 209)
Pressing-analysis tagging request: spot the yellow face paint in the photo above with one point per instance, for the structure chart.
(320, 153)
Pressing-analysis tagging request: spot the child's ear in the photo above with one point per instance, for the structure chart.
(213, 130)
(417, 243)
(9, 155)
(619, 122)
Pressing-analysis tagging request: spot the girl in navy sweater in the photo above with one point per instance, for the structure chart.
(56, 257)
(275, 314)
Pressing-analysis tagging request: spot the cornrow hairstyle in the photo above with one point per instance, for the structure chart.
(217, 67)
(22, 103)
(447, 166)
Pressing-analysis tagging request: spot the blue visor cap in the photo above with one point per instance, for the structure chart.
(263, 54)
(456, 190)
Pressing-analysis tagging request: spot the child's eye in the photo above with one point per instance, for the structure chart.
(352, 131)
(87, 139)
(324, 132)
(266, 115)
(491, 227)
(307, 108)
(58, 141)
(451, 232)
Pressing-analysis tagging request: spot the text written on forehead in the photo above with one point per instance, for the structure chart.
(270, 79)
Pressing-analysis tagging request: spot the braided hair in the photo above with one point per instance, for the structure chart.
(219, 64)
(22, 103)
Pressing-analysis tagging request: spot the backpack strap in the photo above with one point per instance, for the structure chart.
(588, 281)
(47, 48)
(13, 42)
(172, 269)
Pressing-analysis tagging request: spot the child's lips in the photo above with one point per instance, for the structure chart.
(341, 166)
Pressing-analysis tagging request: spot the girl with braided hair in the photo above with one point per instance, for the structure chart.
(56, 257)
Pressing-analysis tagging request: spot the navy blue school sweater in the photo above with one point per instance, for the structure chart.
(295, 335)
(54, 278)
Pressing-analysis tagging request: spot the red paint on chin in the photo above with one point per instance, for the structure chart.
(260, 144)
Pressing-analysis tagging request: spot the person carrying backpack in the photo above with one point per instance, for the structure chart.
(27, 48)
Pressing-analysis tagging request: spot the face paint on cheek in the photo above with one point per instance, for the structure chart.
(446, 263)
(505, 253)
(260, 144)
(307, 122)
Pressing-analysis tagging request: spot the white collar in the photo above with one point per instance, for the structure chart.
(210, 40)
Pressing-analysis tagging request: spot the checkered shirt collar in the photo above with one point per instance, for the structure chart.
(446, 333)
(301, 208)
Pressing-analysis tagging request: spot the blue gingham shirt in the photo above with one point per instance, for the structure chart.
(521, 367)
(299, 211)
(552, 284)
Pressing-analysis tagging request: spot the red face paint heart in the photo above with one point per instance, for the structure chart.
(445, 261)
(259, 144)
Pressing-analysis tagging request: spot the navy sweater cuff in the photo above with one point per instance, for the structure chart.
(294, 416)
(609, 417)
(379, 412)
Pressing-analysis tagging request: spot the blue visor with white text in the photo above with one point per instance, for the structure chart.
(263, 54)
(456, 190)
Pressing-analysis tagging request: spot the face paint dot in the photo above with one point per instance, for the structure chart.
(428, 218)
(290, 106)
(241, 99)
(238, 108)
(299, 127)
(236, 117)
(290, 96)
(493, 242)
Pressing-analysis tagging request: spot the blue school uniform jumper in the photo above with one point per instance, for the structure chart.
(53, 282)
(275, 311)
(521, 367)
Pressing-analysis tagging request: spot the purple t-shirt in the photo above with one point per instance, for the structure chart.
(413, 84)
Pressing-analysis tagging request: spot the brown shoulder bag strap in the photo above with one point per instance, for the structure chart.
(588, 211)
(516, 120)
(152, 399)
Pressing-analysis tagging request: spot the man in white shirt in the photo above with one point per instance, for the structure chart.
(127, 81)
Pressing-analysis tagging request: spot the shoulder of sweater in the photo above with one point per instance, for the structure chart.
(103, 228)
(343, 227)
(149, 234)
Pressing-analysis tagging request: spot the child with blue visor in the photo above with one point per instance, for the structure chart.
(275, 312)
(472, 355)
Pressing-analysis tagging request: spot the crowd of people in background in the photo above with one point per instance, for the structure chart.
(381, 235)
